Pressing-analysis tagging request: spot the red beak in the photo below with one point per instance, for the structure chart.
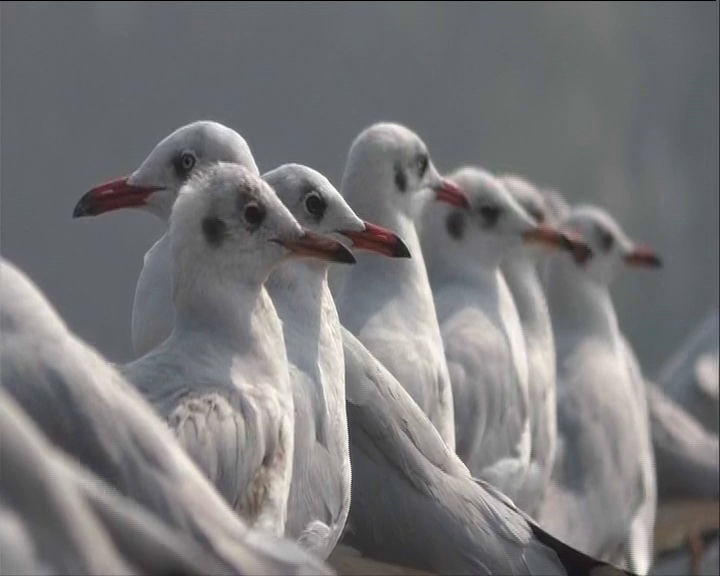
(378, 239)
(448, 192)
(570, 241)
(317, 246)
(112, 196)
(643, 257)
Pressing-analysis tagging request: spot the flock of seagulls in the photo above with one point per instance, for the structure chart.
(426, 368)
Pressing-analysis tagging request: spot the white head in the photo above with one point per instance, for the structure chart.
(229, 223)
(319, 207)
(558, 207)
(610, 247)
(154, 186)
(494, 224)
(387, 166)
(535, 204)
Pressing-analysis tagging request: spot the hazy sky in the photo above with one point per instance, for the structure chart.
(614, 104)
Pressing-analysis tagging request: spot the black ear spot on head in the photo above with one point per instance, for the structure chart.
(400, 178)
(606, 239)
(536, 214)
(214, 230)
(455, 224)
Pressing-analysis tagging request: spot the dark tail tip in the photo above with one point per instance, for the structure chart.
(575, 562)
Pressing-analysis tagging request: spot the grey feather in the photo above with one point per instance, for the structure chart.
(88, 410)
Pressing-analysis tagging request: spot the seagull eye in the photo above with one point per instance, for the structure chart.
(536, 214)
(606, 240)
(489, 214)
(187, 161)
(254, 214)
(422, 164)
(315, 204)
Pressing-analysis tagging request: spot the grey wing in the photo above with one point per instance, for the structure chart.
(690, 375)
(686, 455)
(85, 408)
(320, 491)
(588, 474)
(18, 552)
(58, 530)
(224, 436)
(407, 484)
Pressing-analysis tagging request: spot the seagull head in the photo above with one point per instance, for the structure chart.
(319, 207)
(493, 225)
(610, 247)
(227, 221)
(387, 167)
(154, 186)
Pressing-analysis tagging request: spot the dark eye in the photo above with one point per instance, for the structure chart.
(536, 214)
(315, 204)
(489, 214)
(400, 178)
(254, 214)
(422, 164)
(187, 161)
(606, 239)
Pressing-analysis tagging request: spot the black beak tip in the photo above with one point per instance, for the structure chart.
(83, 207)
(400, 250)
(657, 262)
(343, 255)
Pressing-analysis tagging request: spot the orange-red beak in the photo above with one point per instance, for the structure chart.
(448, 192)
(643, 257)
(112, 196)
(548, 236)
(317, 246)
(378, 239)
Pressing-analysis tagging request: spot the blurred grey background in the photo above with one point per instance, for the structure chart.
(615, 104)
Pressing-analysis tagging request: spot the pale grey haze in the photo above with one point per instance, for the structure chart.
(611, 103)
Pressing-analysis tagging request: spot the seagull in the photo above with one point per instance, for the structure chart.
(320, 487)
(153, 188)
(221, 379)
(58, 517)
(520, 269)
(690, 375)
(480, 326)
(686, 455)
(388, 304)
(604, 458)
(87, 411)
(416, 504)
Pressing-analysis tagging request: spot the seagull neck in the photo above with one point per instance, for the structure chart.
(448, 263)
(522, 277)
(576, 302)
(218, 306)
(297, 288)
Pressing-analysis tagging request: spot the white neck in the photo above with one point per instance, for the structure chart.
(299, 289)
(217, 305)
(577, 303)
(522, 277)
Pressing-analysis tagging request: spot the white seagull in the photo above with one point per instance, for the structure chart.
(153, 188)
(415, 503)
(320, 488)
(57, 517)
(604, 466)
(481, 330)
(521, 270)
(88, 411)
(388, 304)
(690, 375)
(221, 379)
